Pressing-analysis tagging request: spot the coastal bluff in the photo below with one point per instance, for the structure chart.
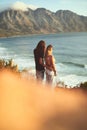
(40, 21)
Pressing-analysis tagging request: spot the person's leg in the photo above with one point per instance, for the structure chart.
(49, 79)
(40, 75)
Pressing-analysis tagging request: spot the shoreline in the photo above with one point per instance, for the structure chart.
(26, 35)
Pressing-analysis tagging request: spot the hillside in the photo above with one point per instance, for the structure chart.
(40, 21)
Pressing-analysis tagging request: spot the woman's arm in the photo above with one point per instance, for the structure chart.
(53, 65)
(41, 61)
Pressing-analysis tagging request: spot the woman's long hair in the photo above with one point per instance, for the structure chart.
(40, 48)
(48, 49)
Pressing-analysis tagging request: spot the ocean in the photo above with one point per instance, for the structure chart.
(69, 50)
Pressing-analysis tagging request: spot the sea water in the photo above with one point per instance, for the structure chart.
(69, 50)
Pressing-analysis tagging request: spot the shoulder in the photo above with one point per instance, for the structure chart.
(53, 59)
(50, 57)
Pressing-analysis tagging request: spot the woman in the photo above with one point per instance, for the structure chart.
(39, 53)
(50, 64)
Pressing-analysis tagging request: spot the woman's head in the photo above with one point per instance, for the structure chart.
(41, 46)
(48, 49)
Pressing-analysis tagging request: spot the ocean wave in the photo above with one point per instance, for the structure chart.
(75, 64)
(72, 80)
(2, 49)
(85, 66)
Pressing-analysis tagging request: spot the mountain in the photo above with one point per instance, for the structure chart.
(40, 21)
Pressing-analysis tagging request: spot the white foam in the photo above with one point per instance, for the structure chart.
(2, 49)
(72, 80)
(24, 63)
(85, 66)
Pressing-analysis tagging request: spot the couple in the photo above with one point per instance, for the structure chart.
(44, 61)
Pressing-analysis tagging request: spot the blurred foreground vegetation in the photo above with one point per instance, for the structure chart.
(9, 65)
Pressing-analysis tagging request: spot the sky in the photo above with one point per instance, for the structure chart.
(77, 6)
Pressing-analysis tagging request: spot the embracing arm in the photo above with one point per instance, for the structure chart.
(53, 65)
(41, 61)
